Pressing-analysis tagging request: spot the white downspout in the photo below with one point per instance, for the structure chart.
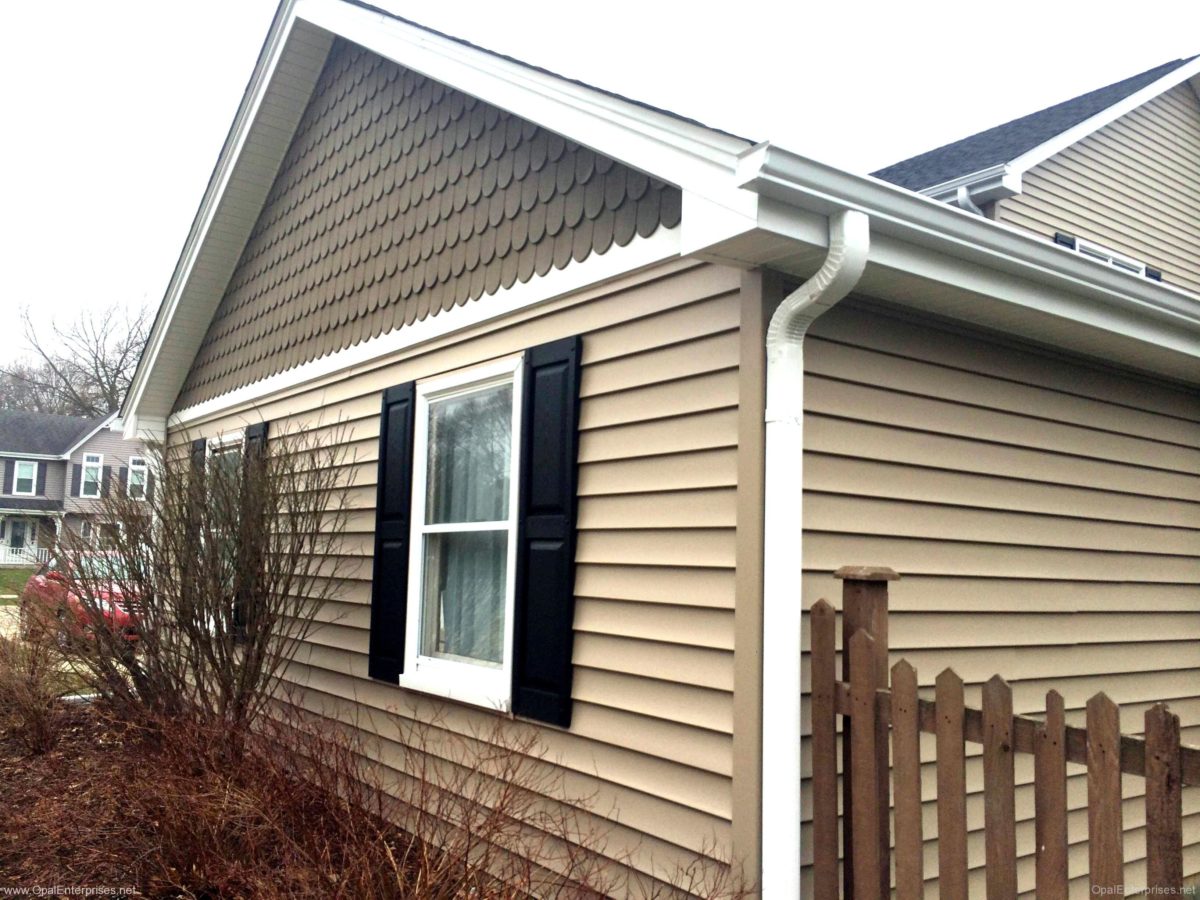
(849, 242)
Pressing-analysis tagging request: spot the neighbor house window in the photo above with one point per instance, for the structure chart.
(137, 477)
(93, 475)
(462, 557)
(85, 531)
(25, 478)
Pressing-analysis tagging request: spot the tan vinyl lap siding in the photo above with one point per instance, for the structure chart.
(653, 677)
(1045, 516)
(1133, 186)
(400, 198)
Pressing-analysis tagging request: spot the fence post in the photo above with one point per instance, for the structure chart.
(865, 608)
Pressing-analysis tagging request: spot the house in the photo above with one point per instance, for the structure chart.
(56, 471)
(624, 391)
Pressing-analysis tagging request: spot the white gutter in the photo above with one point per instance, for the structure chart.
(849, 242)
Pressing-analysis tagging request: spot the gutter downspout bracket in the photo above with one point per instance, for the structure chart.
(849, 244)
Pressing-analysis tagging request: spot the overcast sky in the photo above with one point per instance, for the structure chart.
(115, 111)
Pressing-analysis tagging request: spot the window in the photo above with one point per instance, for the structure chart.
(93, 475)
(463, 540)
(472, 592)
(25, 478)
(138, 471)
(85, 531)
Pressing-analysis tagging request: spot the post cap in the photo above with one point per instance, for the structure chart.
(866, 573)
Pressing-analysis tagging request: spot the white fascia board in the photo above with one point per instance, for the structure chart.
(696, 158)
(686, 154)
(47, 457)
(230, 155)
(1059, 142)
(993, 183)
(595, 271)
(936, 234)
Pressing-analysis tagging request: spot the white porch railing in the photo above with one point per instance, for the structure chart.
(23, 556)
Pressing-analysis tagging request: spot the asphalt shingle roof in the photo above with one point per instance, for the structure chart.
(41, 433)
(1006, 142)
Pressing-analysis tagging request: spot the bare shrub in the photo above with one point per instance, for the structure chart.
(32, 682)
(224, 561)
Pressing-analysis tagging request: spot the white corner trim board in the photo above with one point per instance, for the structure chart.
(640, 253)
(783, 532)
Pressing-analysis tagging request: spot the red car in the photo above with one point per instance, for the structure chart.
(47, 597)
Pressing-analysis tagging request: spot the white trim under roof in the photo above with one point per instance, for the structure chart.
(696, 158)
(108, 420)
(1004, 180)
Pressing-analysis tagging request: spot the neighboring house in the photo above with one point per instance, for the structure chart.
(56, 470)
(625, 390)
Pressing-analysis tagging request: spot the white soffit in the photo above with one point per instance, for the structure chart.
(289, 65)
(697, 158)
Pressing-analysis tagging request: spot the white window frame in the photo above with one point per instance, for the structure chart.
(86, 531)
(98, 465)
(475, 683)
(139, 464)
(33, 479)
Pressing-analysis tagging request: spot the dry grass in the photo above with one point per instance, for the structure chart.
(301, 816)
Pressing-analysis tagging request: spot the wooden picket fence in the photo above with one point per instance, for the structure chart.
(876, 708)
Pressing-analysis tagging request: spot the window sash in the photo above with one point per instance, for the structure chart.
(25, 466)
(474, 682)
(92, 475)
(135, 485)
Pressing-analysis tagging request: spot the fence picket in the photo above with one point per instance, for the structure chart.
(951, 787)
(864, 774)
(871, 702)
(999, 814)
(1164, 803)
(906, 778)
(823, 621)
(1105, 836)
(1050, 801)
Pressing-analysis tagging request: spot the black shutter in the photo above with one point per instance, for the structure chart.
(149, 485)
(106, 481)
(9, 465)
(123, 481)
(250, 546)
(199, 446)
(41, 479)
(545, 606)
(393, 506)
(76, 479)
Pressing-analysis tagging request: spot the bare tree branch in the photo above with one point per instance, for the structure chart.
(83, 369)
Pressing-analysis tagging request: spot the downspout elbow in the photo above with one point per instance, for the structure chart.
(849, 245)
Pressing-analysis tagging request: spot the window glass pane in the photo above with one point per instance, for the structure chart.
(465, 577)
(24, 479)
(470, 453)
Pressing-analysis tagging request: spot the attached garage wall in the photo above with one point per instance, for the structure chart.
(1045, 517)
(651, 738)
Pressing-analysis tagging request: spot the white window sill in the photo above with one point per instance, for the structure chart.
(461, 682)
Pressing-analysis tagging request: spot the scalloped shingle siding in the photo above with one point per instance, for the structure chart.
(399, 198)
